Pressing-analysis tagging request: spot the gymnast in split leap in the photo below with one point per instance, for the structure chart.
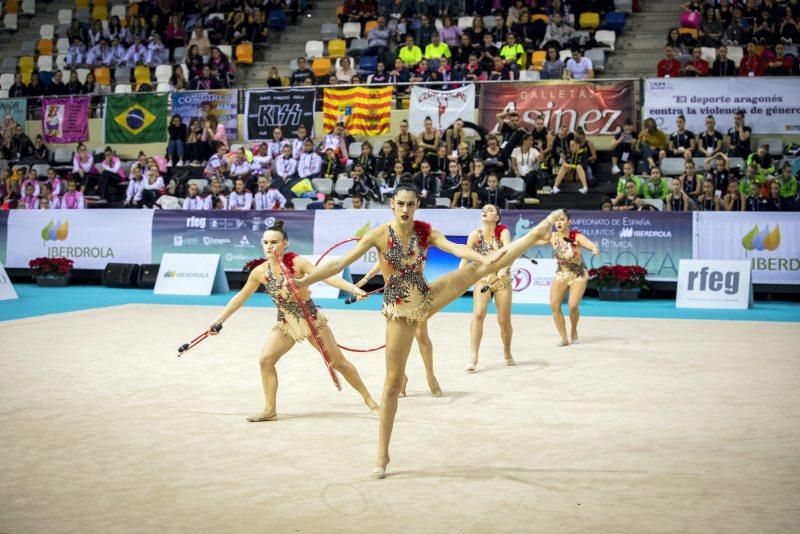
(408, 299)
(291, 327)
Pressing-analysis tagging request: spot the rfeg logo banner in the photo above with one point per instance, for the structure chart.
(769, 240)
(90, 238)
(234, 235)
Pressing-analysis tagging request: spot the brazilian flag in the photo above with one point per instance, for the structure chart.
(136, 119)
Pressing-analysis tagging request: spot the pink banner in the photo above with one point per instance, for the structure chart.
(65, 119)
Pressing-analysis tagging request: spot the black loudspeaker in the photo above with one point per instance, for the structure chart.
(147, 275)
(120, 275)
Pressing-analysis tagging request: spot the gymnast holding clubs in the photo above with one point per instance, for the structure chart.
(571, 274)
(408, 299)
(297, 319)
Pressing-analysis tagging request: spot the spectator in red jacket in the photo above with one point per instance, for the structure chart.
(669, 67)
(752, 64)
(697, 66)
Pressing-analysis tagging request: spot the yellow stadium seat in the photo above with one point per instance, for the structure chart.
(26, 77)
(102, 75)
(370, 25)
(45, 47)
(321, 67)
(82, 4)
(589, 21)
(133, 10)
(103, 3)
(141, 73)
(244, 53)
(12, 7)
(339, 10)
(337, 48)
(99, 13)
(543, 18)
(537, 59)
(688, 31)
(26, 64)
(285, 81)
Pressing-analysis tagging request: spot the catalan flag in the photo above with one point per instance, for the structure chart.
(363, 111)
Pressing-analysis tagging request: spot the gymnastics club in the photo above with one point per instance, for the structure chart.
(354, 298)
(486, 288)
(216, 327)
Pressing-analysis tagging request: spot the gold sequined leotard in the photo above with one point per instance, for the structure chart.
(407, 294)
(484, 248)
(569, 270)
(291, 322)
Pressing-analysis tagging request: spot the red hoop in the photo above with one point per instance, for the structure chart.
(310, 321)
(327, 251)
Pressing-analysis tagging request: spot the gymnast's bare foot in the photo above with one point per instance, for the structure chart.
(405, 383)
(509, 360)
(380, 471)
(373, 406)
(555, 215)
(263, 416)
(574, 338)
(433, 384)
(563, 343)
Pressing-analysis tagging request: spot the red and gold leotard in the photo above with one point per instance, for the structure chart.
(570, 262)
(407, 294)
(291, 322)
(484, 248)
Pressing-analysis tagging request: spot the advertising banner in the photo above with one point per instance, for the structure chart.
(3, 234)
(714, 284)
(6, 287)
(90, 238)
(655, 241)
(531, 282)
(770, 241)
(65, 119)
(234, 235)
(363, 111)
(601, 109)
(771, 105)
(443, 107)
(222, 103)
(190, 274)
(287, 109)
(12, 112)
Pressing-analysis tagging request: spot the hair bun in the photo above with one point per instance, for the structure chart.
(277, 225)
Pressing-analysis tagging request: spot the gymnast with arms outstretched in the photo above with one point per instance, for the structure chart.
(292, 326)
(408, 299)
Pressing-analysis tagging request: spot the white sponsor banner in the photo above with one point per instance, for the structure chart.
(321, 289)
(771, 105)
(714, 284)
(531, 282)
(190, 274)
(443, 107)
(6, 288)
(90, 238)
(769, 241)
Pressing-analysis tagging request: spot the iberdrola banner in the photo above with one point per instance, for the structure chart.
(136, 119)
(363, 111)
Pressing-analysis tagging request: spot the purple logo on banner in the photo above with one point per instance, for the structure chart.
(65, 119)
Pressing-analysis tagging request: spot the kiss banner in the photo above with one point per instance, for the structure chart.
(65, 119)
(287, 109)
(198, 104)
(599, 108)
(443, 107)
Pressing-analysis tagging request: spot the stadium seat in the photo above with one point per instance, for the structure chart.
(735, 54)
(589, 21)
(46, 31)
(180, 54)
(6, 80)
(564, 55)
(118, 11)
(517, 184)
(775, 145)
(82, 74)
(369, 26)
(438, 25)
(82, 4)
(123, 88)
(9, 65)
(736, 163)
(321, 66)
(123, 75)
(102, 75)
(442, 202)
(354, 149)
(11, 6)
(347, 203)
(62, 45)
(692, 32)
(45, 47)
(598, 58)
(537, 59)
(606, 37)
(315, 49)
(62, 156)
(301, 203)
(141, 74)
(615, 22)
(329, 31)
(61, 61)
(343, 186)
(29, 7)
(358, 46)
(244, 53)
(26, 64)
(351, 30)
(10, 22)
(163, 73)
(100, 12)
(27, 48)
(163, 87)
(277, 20)
(227, 50)
(624, 6)
(489, 23)
(322, 185)
(3, 94)
(529, 75)
(46, 77)
(368, 64)
(337, 48)
(44, 63)
(64, 16)
(672, 166)
(709, 53)
(464, 23)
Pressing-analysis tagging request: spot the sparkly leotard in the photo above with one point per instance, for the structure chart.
(570, 263)
(291, 322)
(484, 248)
(407, 294)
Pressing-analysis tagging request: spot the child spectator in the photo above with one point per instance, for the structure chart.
(193, 201)
(240, 198)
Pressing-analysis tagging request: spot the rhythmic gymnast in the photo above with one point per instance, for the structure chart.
(491, 236)
(570, 276)
(291, 327)
(402, 245)
(423, 342)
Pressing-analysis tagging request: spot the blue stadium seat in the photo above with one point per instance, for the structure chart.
(277, 20)
(368, 64)
(615, 21)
